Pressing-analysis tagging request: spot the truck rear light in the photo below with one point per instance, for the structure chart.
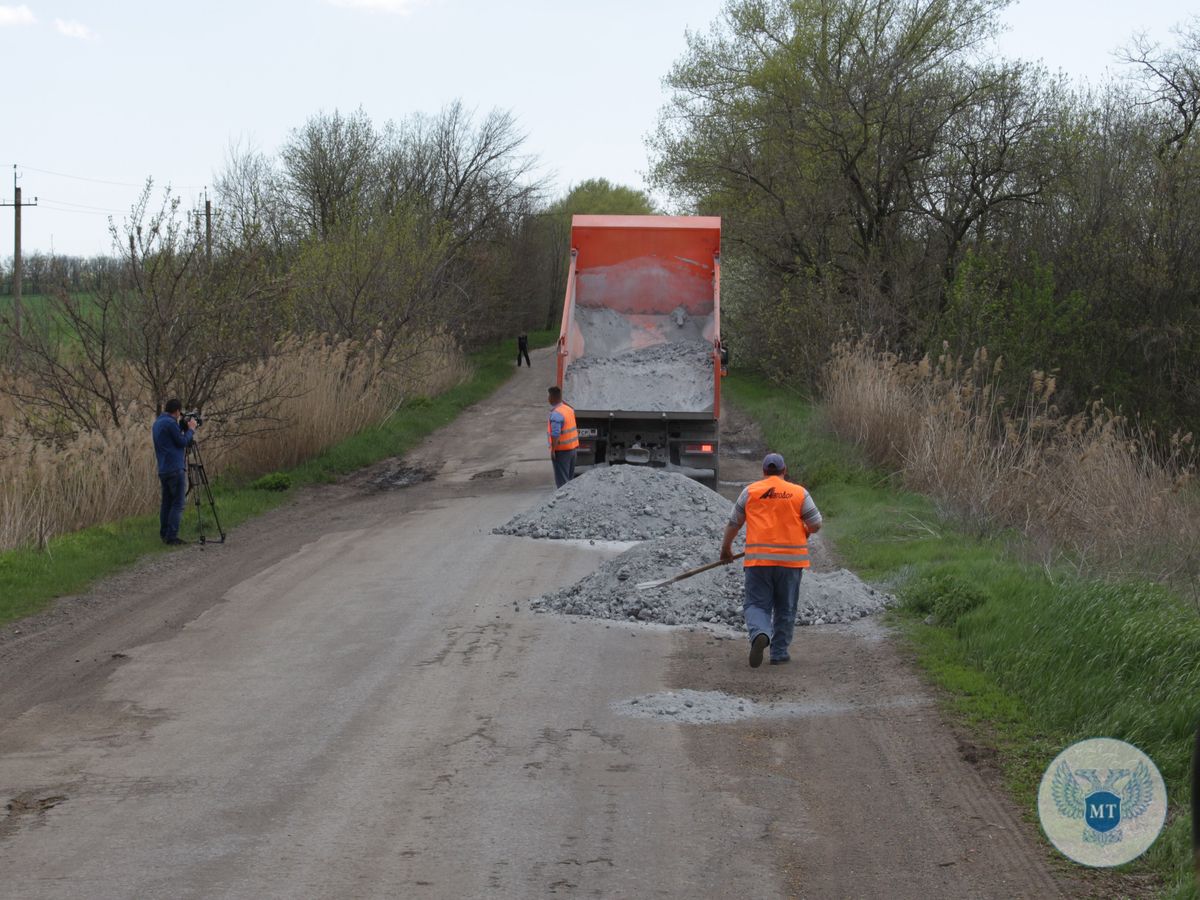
(697, 448)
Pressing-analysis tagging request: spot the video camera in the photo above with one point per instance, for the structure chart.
(192, 414)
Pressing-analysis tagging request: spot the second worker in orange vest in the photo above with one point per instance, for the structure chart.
(563, 436)
(779, 516)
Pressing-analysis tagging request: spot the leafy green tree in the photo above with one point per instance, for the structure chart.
(600, 197)
(854, 146)
(879, 171)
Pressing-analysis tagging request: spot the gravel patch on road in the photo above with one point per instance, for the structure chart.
(714, 596)
(626, 503)
(690, 707)
(668, 377)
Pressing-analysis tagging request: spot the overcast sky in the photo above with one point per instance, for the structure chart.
(112, 93)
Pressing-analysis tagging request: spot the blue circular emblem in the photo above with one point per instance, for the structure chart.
(1102, 802)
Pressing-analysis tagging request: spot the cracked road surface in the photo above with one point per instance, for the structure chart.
(351, 699)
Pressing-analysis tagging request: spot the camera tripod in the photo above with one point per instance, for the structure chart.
(198, 484)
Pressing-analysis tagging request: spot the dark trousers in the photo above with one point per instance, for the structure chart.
(174, 494)
(564, 466)
(772, 595)
(523, 351)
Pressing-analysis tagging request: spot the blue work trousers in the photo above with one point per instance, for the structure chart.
(564, 467)
(772, 593)
(174, 494)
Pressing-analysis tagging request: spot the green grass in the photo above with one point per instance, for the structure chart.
(31, 579)
(29, 302)
(1033, 659)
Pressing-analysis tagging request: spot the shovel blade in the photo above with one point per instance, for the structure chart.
(646, 585)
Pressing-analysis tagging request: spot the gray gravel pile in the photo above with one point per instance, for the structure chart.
(626, 503)
(714, 596)
(668, 377)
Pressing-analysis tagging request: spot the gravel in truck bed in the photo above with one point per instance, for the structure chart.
(668, 377)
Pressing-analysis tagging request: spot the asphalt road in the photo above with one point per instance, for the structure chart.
(351, 699)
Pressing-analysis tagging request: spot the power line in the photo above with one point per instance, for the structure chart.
(78, 212)
(80, 205)
(189, 187)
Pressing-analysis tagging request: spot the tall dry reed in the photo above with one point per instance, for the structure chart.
(1092, 487)
(316, 394)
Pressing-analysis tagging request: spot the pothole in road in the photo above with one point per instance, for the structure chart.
(25, 804)
(398, 477)
(488, 473)
(716, 708)
(27, 807)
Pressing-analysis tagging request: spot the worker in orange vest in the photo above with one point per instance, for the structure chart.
(563, 436)
(779, 516)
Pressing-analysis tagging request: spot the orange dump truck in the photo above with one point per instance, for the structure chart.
(640, 354)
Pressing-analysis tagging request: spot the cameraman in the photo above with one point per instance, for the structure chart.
(171, 437)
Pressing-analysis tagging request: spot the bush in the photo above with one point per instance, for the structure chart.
(275, 481)
(944, 596)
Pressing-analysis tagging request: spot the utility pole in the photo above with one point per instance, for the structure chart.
(207, 229)
(16, 279)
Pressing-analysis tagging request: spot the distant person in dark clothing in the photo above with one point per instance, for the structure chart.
(171, 438)
(523, 350)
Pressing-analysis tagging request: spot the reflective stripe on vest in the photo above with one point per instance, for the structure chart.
(568, 438)
(775, 532)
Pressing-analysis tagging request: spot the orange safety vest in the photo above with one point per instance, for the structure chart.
(775, 532)
(568, 438)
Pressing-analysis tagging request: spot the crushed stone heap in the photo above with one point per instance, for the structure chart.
(626, 503)
(714, 596)
(668, 377)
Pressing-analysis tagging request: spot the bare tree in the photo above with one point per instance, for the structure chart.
(329, 165)
(1173, 78)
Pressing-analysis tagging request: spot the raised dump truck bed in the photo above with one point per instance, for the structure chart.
(639, 351)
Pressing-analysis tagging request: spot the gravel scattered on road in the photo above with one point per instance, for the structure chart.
(714, 596)
(626, 503)
(689, 707)
(679, 523)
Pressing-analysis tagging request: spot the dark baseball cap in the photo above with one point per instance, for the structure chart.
(773, 462)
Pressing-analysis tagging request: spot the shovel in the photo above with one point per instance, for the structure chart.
(645, 585)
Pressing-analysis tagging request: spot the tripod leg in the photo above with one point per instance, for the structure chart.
(195, 469)
(203, 484)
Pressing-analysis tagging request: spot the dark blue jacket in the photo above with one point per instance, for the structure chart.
(169, 442)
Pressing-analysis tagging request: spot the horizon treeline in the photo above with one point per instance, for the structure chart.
(878, 172)
(395, 238)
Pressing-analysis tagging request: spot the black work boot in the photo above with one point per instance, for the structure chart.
(760, 643)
